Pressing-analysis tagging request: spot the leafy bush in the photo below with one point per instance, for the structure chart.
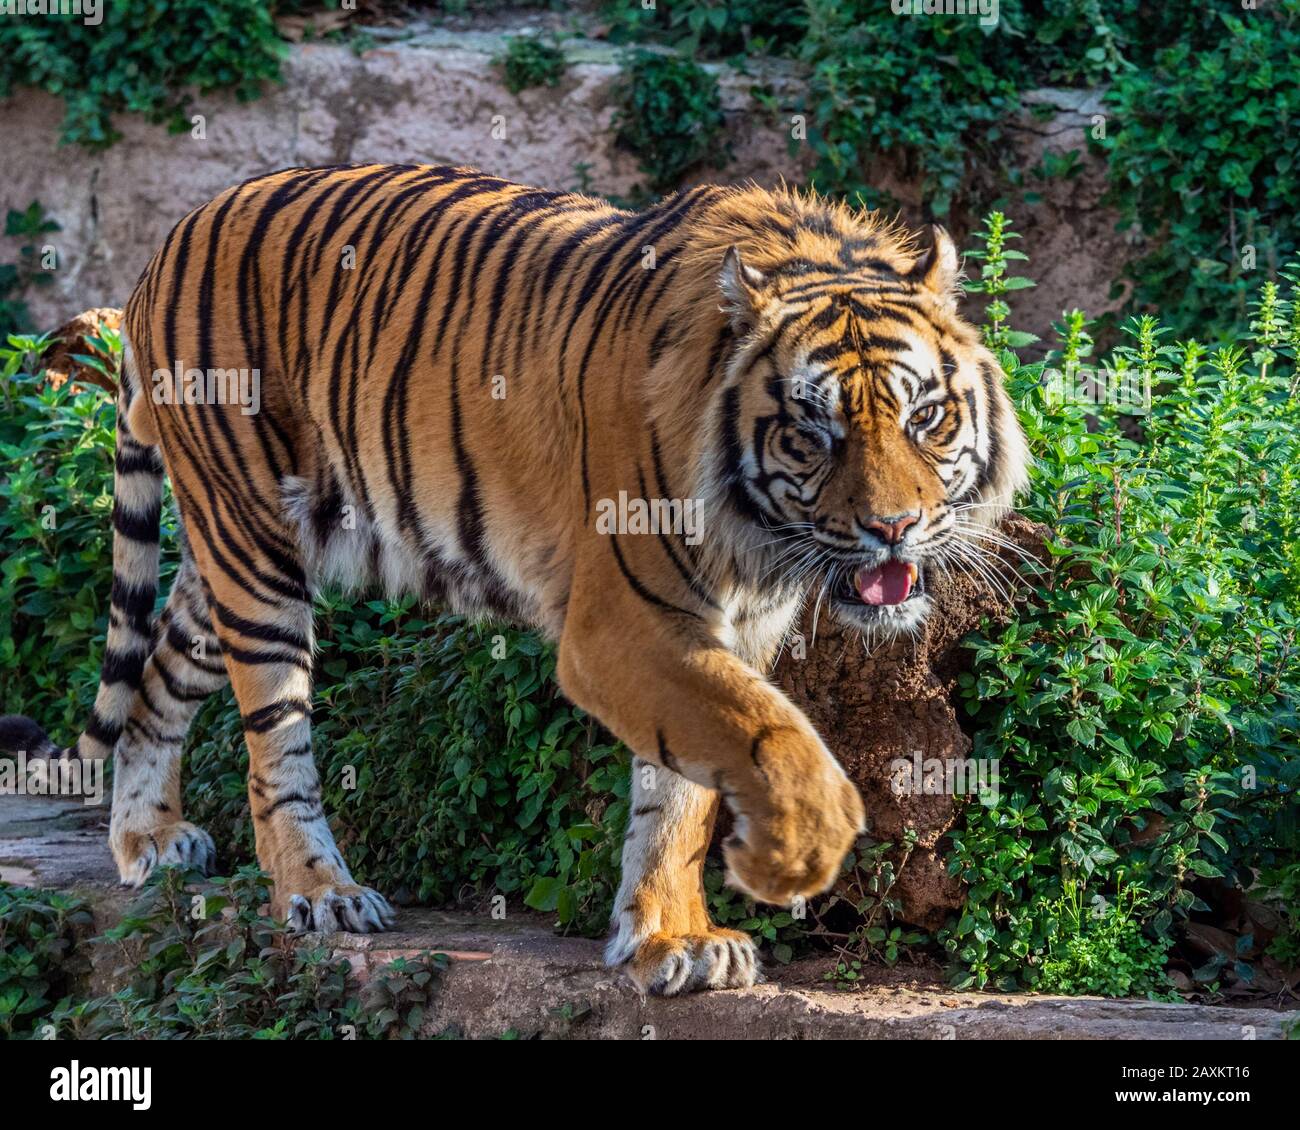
(1100, 949)
(1143, 701)
(40, 957)
(669, 113)
(529, 61)
(144, 57)
(518, 792)
(1205, 160)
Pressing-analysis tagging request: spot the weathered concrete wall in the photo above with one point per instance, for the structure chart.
(434, 97)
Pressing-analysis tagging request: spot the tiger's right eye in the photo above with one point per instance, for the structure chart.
(923, 415)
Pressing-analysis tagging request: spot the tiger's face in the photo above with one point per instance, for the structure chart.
(869, 437)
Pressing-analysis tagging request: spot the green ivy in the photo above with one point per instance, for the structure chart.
(147, 57)
(528, 61)
(17, 278)
(669, 113)
(1204, 159)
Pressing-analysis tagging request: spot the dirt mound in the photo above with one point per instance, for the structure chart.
(895, 709)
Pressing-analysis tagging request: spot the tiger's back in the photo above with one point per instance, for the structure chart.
(398, 315)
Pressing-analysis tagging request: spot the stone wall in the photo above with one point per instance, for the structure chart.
(433, 96)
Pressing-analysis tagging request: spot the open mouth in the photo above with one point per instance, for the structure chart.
(890, 583)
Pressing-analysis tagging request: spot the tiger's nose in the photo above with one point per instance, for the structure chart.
(891, 530)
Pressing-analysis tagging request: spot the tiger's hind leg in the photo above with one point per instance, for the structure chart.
(662, 933)
(262, 615)
(182, 670)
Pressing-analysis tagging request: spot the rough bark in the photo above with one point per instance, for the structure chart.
(898, 701)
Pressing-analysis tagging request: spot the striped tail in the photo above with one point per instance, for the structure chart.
(137, 517)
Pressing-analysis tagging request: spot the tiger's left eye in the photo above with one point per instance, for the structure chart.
(924, 415)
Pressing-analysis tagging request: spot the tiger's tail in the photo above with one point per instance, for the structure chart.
(137, 522)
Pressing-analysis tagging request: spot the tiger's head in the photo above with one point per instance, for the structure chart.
(863, 433)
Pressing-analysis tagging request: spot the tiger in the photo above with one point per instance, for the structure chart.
(455, 377)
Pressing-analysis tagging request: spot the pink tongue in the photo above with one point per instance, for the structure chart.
(889, 584)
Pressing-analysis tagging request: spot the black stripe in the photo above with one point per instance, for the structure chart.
(268, 717)
(122, 667)
(145, 528)
(666, 757)
(134, 602)
(640, 589)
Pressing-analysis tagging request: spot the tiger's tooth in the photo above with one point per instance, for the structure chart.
(912, 571)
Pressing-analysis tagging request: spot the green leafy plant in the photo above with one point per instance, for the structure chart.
(41, 934)
(669, 113)
(1142, 702)
(17, 278)
(145, 56)
(528, 61)
(860, 919)
(1099, 948)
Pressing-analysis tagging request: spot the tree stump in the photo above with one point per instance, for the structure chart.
(875, 710)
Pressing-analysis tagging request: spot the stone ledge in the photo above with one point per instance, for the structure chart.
(517, 975)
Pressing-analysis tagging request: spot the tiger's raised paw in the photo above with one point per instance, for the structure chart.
(666, 965)
(342, 906)
(181, 844)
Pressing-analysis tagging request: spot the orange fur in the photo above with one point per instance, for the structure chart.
(470, 370)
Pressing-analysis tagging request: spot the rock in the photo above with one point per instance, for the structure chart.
(435, 97)
(516, 976)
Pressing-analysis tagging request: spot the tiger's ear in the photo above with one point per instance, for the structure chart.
(742, 290)
(936, 267)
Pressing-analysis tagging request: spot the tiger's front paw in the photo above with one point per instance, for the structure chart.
(792, 836)
(179, 844)
(330, 907)
(665, 965)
